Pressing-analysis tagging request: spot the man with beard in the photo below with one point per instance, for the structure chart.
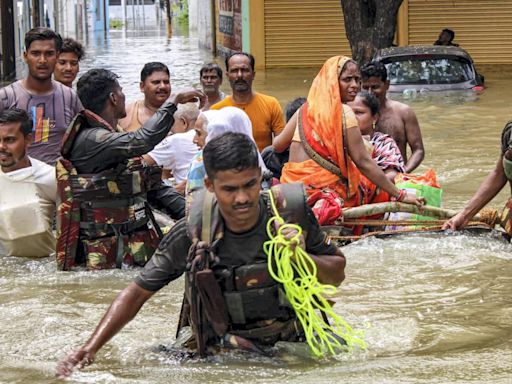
(104, 187)
(28, 190)
(210, 76)
(155, 84)
(264, 111)
(50, 104)
(68, 62)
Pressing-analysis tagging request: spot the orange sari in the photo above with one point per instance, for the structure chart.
(323, 121)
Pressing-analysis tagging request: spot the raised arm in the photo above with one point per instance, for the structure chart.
(489, 188)
(123, 309)
(414, 140)
(111, 148)
(284, 139)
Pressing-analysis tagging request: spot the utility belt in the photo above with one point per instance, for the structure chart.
(248, 303)
(252, 295)
(117, 234)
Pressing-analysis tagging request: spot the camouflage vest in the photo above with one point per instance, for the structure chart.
(103, 219)
(241, 305)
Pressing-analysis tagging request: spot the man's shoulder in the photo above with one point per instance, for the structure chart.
(43, 173)
(41, 166)
(10, 92)
(132, 104)
(62, 89)
(183, 139)
(267, 99)
(177, 236)
(226, 102)
(398, 107)
(169, 143)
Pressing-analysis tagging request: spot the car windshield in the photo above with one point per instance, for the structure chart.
(428, 70)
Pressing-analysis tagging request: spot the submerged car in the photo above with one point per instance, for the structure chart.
(429, 68)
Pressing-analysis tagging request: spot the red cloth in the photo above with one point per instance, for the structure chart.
(326, 205)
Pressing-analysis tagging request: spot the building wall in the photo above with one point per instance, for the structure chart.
(205, 25)
(290, 33)
(228, 22)
(482, 27)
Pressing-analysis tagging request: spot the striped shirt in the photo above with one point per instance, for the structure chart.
(50, 113)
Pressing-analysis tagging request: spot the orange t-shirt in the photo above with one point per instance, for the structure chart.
(265, 114)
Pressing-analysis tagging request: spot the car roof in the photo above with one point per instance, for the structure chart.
(412, 50)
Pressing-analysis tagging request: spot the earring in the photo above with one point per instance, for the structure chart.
(373, 125)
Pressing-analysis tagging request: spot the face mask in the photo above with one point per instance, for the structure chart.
(507, 166)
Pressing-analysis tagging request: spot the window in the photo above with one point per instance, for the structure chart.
(426, 69)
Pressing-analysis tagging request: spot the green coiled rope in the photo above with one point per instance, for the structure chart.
(291, 266)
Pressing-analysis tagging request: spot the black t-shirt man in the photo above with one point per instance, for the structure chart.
(169, 261)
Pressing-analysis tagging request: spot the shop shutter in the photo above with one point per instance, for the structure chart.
(303, 33)
(482, 27)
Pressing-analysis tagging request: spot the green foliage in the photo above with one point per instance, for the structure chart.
(116, 23)
(180, 12)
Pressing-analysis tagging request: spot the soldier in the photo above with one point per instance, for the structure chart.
(239, 216)
(104, 187)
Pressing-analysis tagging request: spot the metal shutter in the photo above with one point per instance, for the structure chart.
(303, 33)
(482, 27)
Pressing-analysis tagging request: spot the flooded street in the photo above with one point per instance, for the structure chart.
(435, 309)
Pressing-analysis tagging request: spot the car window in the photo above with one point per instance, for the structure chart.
(421, 70)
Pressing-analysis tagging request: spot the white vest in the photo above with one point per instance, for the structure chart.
(27, 206)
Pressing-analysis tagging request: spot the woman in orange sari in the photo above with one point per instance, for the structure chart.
(327, 150)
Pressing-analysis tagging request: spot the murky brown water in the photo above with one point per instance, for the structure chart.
(436, 309)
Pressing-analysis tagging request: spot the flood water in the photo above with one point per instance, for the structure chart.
(435, 309)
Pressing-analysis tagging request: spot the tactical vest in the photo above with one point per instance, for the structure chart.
(103, 219)
(239, 305)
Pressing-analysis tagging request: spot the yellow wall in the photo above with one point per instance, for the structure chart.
(291, 33)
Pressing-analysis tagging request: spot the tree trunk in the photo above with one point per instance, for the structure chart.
(370, 25)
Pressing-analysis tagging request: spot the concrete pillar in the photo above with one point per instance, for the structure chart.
(205, 25)
(193, 13)
(8, 43)
(123, 6)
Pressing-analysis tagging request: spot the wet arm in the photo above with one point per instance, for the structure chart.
(130, 144)
(284, 139)
(489, 188)
(123, 309)
(149, 160)
(330, 268)
(414, 140)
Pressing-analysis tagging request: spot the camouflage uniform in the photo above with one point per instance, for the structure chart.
(103, 219)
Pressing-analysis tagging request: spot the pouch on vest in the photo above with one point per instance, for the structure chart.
(103, 253)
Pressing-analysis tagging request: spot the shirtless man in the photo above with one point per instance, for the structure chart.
(396, 119)
(155, 84)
